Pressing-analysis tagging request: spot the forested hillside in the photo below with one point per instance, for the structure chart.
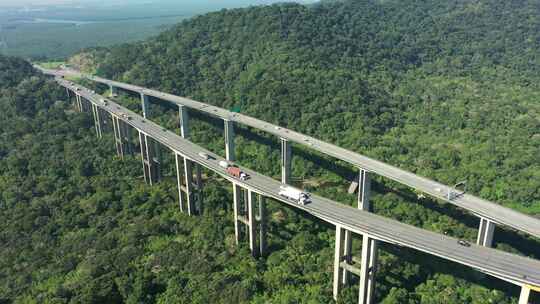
(448, 90)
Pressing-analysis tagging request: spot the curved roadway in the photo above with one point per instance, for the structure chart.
(513, 268)
(480, 207)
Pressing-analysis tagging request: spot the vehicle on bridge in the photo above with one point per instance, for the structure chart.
(295, 195)
(237, 172)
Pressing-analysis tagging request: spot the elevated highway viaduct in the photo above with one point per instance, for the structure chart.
(249, 212)
(489, 213)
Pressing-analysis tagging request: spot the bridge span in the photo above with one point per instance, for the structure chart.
(489, 213)
(249, 205)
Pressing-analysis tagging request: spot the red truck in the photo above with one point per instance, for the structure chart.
(236, 172)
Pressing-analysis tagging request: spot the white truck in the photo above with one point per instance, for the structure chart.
(294, 194)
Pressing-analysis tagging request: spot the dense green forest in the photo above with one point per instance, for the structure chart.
(448, 90)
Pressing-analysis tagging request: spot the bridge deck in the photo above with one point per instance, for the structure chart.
(477, 206)
(510, 267)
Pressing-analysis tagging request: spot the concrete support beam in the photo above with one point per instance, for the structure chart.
(199, 187)
(338, 257)
(114, 91)
(151, 166)
(127, 141)
(105, 123)
(245, 203)
(68, 94)
(190, 195)
(286, 157)
(145, 103)
(262, 226)
(122, 137)
(524, 295)
(118, 136)
(179, 169)
(237, 200)
(252, 196)
(368, 268)
(229, 140)
(364, 190)
(364, 186)
(78, 102)
(97, 120)
(347, 255)
(184, 121)
(485, 233)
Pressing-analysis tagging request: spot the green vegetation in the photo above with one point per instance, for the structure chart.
(60, 40)
(52, 64)
(448, 90)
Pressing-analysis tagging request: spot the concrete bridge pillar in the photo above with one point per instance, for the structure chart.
(286, 157)
(262, 225)
(122, 136)
(193, 187)
(252, 196)
(117, 136)
(188, 174)
(364, 186)
(114, 90)
(187, 205)
(524, 295)
(78, 103)
(362, 183)
(338, 258)
(485, 233)
(368, 268)
(229, 140)
(105, 123)
(151, 164)
(184, 121)
(345, 264)
(145, 103)
(364, 190)
(237, 202)
(97, 120)
(246, 215)
(125, 131)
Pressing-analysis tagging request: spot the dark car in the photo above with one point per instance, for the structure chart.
(464, 243)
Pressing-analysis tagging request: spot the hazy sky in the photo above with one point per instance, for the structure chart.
(20, 3)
